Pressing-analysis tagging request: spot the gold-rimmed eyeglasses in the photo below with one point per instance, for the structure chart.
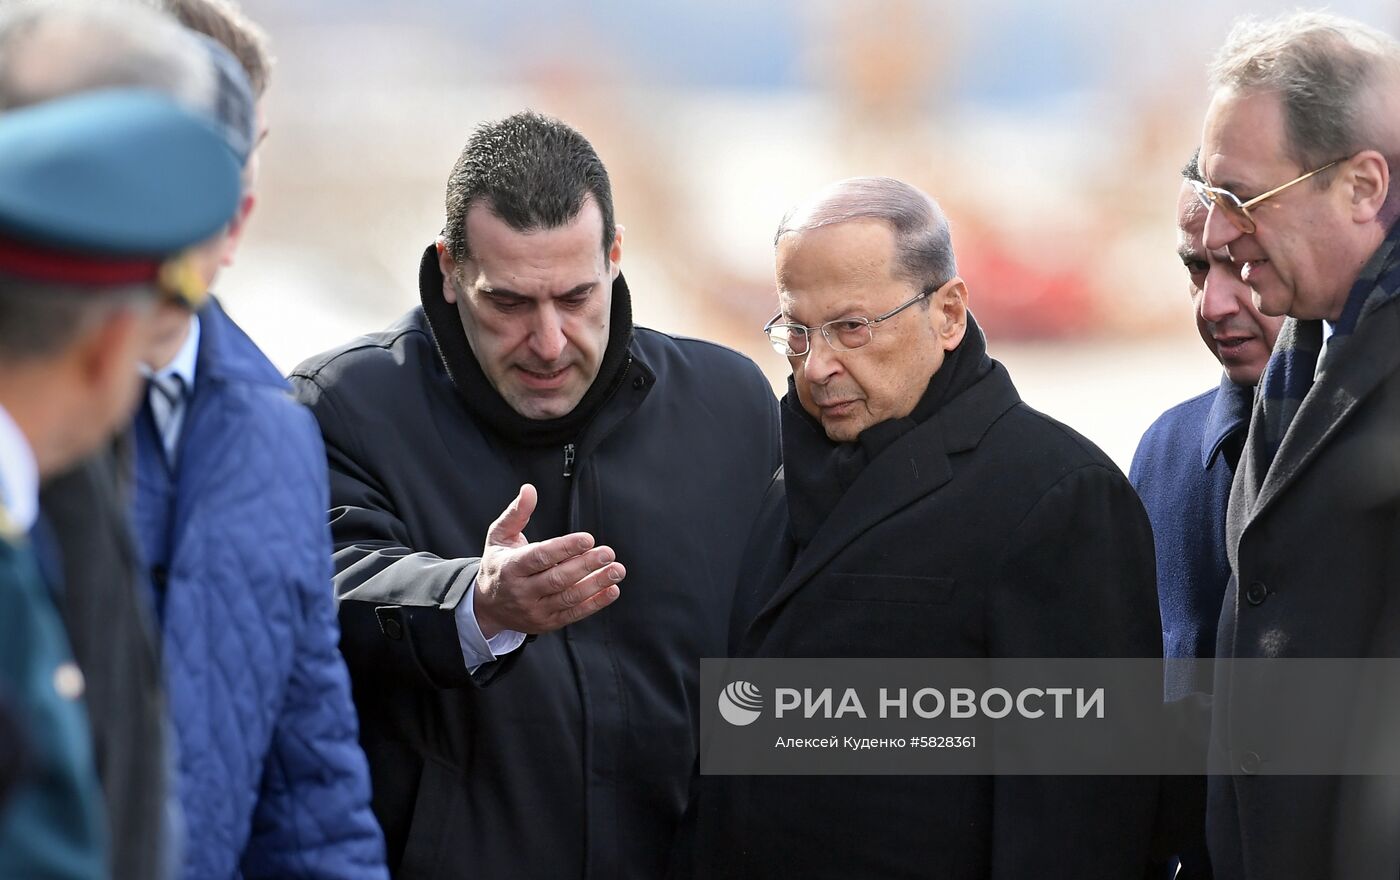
(1237, 211)
(843, 334)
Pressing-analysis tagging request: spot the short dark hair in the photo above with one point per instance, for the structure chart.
(225, 23)
(40, 319)
(1192, 169)
(533, 172)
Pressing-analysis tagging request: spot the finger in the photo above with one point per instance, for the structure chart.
(512, 521)
(592, 605)
(588, 586)
(544, 555)
(569, 572)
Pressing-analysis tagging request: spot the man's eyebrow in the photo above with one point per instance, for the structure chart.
(1188, 253)
(1235, 187)
(500, 293)
(577, 290)
(507, 293)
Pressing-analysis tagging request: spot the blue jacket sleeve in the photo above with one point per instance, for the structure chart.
(313, 818)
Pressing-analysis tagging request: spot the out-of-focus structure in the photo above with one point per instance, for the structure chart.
(1051, 133)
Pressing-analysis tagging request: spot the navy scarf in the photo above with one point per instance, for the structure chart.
(1290, 372)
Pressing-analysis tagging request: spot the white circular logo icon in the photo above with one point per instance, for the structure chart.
(740, 703)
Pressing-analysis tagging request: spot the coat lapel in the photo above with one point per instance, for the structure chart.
(1372, 355)
(914, 466)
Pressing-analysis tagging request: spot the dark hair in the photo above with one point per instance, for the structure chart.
(533, 172)
(1192, 169)
(225, 23)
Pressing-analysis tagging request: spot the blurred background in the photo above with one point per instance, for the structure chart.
(1051, 133)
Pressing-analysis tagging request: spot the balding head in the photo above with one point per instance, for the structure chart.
(923, 242)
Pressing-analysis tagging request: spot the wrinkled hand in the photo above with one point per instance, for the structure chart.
(540, 587)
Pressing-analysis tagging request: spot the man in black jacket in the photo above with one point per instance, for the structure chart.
(924, 511)
(520, 385)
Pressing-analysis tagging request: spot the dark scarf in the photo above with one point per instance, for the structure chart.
(476, 391)
(1289, 374)
(817, 471)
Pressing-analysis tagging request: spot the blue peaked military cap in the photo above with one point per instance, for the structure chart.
(105, 187)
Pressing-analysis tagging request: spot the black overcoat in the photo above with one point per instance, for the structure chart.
(987, 530)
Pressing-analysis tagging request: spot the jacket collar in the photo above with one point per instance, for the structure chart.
(227, 354)
(912, 467)
(479, 396)
(1228, 415)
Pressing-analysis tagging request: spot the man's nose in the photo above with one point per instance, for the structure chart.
(1219, 231)
(1219, 296)
(547, 339)
(822, 361)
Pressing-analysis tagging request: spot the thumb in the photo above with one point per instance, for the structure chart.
(514, 518)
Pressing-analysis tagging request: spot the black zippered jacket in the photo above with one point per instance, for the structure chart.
(576, 760)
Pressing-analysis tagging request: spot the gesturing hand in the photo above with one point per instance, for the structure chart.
(539, 587)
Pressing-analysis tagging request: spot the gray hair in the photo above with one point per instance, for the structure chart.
(58, 47)
(1332, 74)
(923, 242)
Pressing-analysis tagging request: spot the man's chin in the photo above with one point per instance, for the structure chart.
(842, 430)
(540, 406)
(1272, 300)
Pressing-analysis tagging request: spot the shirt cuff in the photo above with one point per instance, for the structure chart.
(477, 650)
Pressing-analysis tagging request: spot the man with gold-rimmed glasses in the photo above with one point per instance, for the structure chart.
(923, 511)
(1299, 142)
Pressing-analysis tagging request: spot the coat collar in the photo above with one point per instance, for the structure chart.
(477, 393)
(226, 353)
(1228, 414)
(910, 468)
(1372, 355)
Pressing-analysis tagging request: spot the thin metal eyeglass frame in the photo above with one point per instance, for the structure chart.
(869, 323)
(1237, 211)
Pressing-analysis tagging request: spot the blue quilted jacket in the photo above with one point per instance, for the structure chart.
(272, 780)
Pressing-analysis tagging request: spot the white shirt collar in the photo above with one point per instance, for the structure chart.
(183, 364)
(19, 475)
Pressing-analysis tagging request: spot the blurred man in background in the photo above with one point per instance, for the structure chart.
(95, 192)
(82, 537)
(231, 488)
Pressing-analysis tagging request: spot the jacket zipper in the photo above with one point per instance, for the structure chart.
(569, 451)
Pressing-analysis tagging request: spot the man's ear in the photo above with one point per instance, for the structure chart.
(234, 236)
(1368, 176)
(950, 301)
(615, 253)
(109, 351)
(447, 266)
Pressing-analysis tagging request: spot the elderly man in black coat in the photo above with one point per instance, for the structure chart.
(924, 511)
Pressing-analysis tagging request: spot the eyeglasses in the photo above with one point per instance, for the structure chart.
(843, 334)
(1236, 211)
